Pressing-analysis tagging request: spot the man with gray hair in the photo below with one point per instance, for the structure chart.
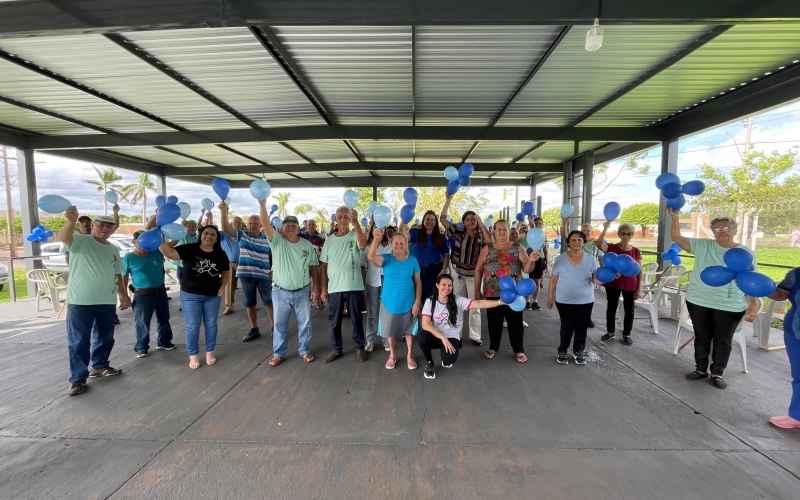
(340, 273)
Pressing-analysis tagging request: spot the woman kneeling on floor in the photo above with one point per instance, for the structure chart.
(441, 322)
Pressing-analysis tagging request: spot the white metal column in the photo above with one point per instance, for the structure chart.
(29, 209)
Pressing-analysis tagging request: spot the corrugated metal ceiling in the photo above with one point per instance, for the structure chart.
(327, 150)
(557, 151)
(38, 122)
(160, 156)
(500, 151)
(269, 152)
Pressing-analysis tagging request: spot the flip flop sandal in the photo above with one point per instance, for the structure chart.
(489, 354)
(522, 358)
(276, 361)
(696, 375)
(308, 357)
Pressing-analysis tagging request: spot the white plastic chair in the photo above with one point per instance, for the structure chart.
(649, 271)
(649, 302)
(672, 291)
(763, 323)
(46, 286)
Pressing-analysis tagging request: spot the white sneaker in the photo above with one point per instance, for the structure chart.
(524, 324)
(369, 347)
(386, 347)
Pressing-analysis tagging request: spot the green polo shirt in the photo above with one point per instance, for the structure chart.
(343, 257)
(93, 270)
(724, 298)
(291, 262)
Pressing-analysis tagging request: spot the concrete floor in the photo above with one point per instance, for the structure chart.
(627, 425)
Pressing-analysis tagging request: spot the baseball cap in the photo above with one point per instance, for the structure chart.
(105, 219)
(191, 222)
(290, 218)
(84, 217)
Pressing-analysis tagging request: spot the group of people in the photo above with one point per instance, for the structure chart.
(412, 282)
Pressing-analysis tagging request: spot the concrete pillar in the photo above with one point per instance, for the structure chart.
(669, 163)
(161, 185)
(28, 198)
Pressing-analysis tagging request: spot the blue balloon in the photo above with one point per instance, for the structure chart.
(31, 237)
(666, 178)
(350, 199)
(525, 287)
(751, 268)
(53, 204)
(536, 238)
(566, 210)
(410, 196)
(738, 259)
(624, 264)
(612, 210)
(693, 188)
(416, 221)
(755, 284)
(520, 217)
(676, 246)
(508, 296)
(382, 216)
(669, 254)
(407, 213)
(260, 190)
(186, 209)
(37, 230)
(605, 274)
(394, 219)
(111, 197)
(464, 180)
(452, 187)
(167, 213)
(371, 207)
(465, 170)
(527, 209)
(671, 190)
(206, 204)
(676, 261)
(460, 225)
(48, 234)
(172, 199)
(160, 200)
(149, 241)
(518, 305)
(273, 208)
(609, 259)
(633, 270)
(717, 275)
(364, 221)
(276, 222)
(333, 217)
(556, 245)
(221, 186)
(451, 173)
(676, 203)
(173, 231)
(507, 283)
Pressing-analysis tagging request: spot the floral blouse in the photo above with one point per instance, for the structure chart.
(500, 263)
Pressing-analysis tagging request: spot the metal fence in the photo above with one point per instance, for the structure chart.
(776, 223)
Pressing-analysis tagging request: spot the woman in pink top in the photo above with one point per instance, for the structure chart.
(630, 287)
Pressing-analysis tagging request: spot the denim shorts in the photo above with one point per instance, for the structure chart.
(249, 287)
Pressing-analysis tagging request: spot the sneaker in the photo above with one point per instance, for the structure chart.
(390, 364)
(369, 347)
(167, 347)
(386, 347)
(254, 334)
(412, 364)
(524, 324)
(562, 358)
(528, 306)
(429, 371)
(142, 354)
(105, 372)
(535, 306)
(447, 366)
(76, 387)
(579, 357)
(116, 320)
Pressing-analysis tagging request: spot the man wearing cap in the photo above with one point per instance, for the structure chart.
(309, 232)
(94, 287)
(341, 280)
(146, 271)
(253, 268)
(469, 242)
(294, 285)
(230, 245)
(191, 237)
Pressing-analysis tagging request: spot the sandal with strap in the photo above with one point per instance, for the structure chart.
(275, 361)
(696, 375)
(489, 354)
(522, 358)
(308, 357)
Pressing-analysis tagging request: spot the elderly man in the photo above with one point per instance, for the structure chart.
(94, 287)
(294, 287)
(468, 245)
(342, 282)
(253, 268)
(230, 245)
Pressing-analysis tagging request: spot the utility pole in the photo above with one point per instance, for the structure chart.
(9, 207)
(749, 134)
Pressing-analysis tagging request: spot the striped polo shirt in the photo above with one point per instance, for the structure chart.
(254, 256)
(467, 249)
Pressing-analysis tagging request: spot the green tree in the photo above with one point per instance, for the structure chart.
(641, 214)
(54, 223)
(552, 218)
(282, 199)
(321, 217)
(303, 210)
(109, 181)
(433, 198)
(136, 192)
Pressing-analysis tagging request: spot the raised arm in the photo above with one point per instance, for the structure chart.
(360, 236)
(151, 223)
(675, 231)
(479, 272)
(372, 255)
(403, 229)
(65, 234)
(485, 230)
(564, 231)
(115, 210)
(223, 220)
(266, 225)
(443, 217)
(168, 250)
(600, 239)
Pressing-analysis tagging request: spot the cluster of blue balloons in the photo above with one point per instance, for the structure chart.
(613, 264)
(513, 293)
(408, 210)
(557, 243)
(169, 210)
(527, 209)
(260, 190)
(39, 233)
(673, 191)
(672, 254)
(739, 262)
(458, 177)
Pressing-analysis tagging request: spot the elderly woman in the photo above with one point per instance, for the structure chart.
(572, 291)
(401, 294)
(430, 249)
(630, 287)
(789, 289)
(498, 259)
(715, 311)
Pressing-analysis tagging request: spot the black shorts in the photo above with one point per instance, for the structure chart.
(538, 269)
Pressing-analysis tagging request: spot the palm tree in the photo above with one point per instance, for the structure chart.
(282, 199)
(303, 209)
(138, 191)
(109, 181)
(321, 215)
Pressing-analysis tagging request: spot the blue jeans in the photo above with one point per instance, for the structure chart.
(355, 303)
(200, 309)
(144, 305)
(793, 351)
(284, 303)
(252, 285)
(89, 325)
(373, 308)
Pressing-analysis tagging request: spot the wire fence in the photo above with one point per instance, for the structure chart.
(773, 223)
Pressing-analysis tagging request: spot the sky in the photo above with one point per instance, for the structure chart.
(776, 129)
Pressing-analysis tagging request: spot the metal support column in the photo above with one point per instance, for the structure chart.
(669, 163)
(375, 193)
(588, 180)
(539, 206)
(161, 185)
(28, 197)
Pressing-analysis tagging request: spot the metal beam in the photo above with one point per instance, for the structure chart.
(611, 152)
(367, 181)
(355, 132)
(408, 166)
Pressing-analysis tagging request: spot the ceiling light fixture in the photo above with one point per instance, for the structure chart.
(594, 37)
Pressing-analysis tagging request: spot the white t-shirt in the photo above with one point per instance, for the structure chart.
(441, 317)
(374, 273)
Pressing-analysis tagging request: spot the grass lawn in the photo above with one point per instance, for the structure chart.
(22, 288)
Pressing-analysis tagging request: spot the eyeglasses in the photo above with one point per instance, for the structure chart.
(721, 229)
(626, 234)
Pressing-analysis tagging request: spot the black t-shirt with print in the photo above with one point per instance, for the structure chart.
(202, 271)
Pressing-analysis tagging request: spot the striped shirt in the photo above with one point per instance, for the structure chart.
(467, 249)
(254, 256)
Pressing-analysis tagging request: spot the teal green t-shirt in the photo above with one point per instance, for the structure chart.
(93, 270)
(725, 298)
(591, 249)
(291, 262)
(343, 257)
(145, 272)
(186, 239)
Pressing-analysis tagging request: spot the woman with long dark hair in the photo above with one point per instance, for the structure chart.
(430, 249)
(203, 284)
(441, 323)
